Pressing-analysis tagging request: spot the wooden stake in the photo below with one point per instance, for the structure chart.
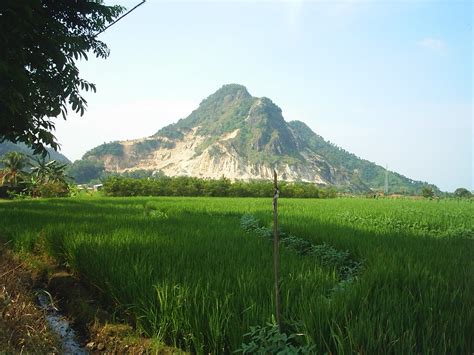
(276, 250)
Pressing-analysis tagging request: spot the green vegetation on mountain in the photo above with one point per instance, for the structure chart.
(112, 148)
(171, 132)
(367, 172)
(222, 112)
(86, 170)
(263, 136)
(149, 145)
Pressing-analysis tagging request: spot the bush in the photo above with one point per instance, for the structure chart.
(427, 192)
(51, 189)
(462, 193)
(7, 191)
(269, 340)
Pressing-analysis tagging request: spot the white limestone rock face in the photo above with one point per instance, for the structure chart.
(218, 159)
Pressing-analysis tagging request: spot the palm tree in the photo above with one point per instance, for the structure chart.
(39, 169)
(52, 171)
(14, 164)
(57, 172)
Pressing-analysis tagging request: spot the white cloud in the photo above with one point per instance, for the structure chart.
(433, 44)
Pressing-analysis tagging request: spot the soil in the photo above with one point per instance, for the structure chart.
(23, 325)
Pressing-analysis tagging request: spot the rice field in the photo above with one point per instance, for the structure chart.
(187, 272)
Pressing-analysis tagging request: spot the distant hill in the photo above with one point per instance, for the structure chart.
(243, 137)
(7, 146)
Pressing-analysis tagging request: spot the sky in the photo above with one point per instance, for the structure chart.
(390, 81)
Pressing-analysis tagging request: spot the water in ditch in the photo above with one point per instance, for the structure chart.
(61, 326)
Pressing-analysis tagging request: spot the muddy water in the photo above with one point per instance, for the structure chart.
(60, 325)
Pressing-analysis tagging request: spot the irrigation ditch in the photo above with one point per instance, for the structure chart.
(60, 325)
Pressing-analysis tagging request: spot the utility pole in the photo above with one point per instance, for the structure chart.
(385, 191)
(276, 249)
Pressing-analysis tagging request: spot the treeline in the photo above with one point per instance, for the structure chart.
(223, 187)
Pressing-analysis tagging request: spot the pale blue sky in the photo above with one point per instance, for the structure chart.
(390, 81)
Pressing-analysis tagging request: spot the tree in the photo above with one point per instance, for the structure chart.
(49, 171)
(427, 192)
(83, 171)
(462, 192)
(41, 41)
(47, 179)
(14, 168)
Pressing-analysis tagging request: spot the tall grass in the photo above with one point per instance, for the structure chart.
(185, 271)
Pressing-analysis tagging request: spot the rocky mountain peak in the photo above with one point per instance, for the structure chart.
(232, 90)
(227, 95)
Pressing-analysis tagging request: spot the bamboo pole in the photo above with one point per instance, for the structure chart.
(276, 250)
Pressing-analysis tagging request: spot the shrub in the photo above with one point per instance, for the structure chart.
(269, 340)
(52, 189)
(462, 193)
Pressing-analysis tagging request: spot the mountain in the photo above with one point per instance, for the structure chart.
(239, 136)
(7, 146)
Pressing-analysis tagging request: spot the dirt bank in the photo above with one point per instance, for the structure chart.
(24, 326)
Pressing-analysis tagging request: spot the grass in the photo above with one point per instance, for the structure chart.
(186, 273)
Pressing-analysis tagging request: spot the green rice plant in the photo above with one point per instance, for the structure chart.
(327, 256)
(184, 271)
